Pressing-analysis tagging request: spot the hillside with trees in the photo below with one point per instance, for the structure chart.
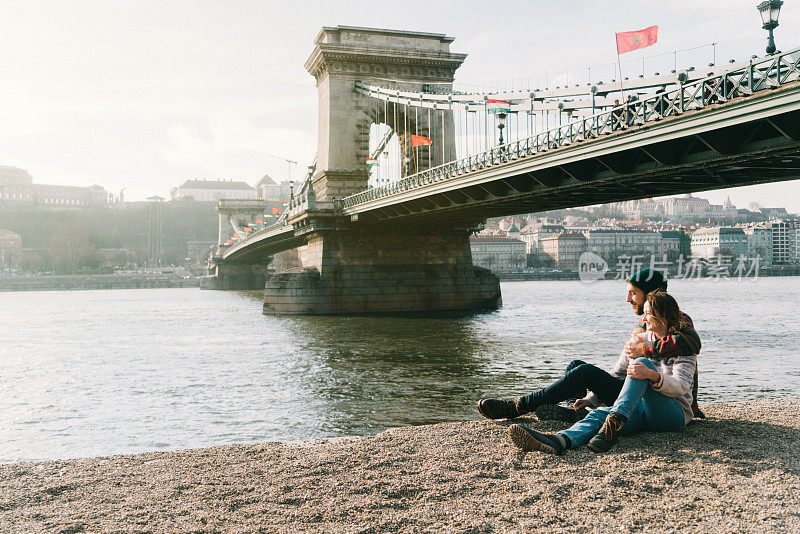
(68, 241)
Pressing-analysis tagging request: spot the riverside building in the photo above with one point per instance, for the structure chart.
(565, 249)
(719, 241)
(785, 236)
(532, 237)
(759, 243)
(611, 243)
(497, 253)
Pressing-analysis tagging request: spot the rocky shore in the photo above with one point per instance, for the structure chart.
(737, 471)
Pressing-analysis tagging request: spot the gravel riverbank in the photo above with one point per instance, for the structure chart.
(737, 471)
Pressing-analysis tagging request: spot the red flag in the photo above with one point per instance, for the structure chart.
(276, 210)
(420, 140)
(628, 41)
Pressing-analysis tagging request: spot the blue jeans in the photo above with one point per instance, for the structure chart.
(645, 408)
(578, 377)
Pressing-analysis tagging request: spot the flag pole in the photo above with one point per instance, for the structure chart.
(621, 86)
(619, 65)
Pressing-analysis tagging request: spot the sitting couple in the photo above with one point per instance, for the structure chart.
(653, 385)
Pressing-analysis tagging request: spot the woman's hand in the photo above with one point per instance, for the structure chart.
(634, 348)
(640, 371)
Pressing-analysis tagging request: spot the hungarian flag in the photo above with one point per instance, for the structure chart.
(628, 41)
(497, 106)
(371, 162)
(276, 211)
(420, 140)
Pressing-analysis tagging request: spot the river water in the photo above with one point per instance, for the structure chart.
(91, 373)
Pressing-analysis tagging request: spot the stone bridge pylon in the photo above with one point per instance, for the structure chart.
(344, 55)
(350, 266)
(234, 216)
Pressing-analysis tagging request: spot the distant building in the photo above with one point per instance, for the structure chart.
(565, 249)
(533, 235)
(759, 244)
(673, 244)
(17, 188)
(785, 237)
(679, 209)
(719, 241)
(212, 190)
(10, 249)
(498, 254)
(772, 214)
(269, 190)
(611, 243)
(15, 185)
(69, 196)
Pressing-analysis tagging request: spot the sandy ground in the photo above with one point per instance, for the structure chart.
(738, 471)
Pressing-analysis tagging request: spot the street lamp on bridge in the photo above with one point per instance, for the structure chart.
(769, 10)
(501, 123)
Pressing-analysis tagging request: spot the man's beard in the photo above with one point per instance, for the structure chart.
(639, 310)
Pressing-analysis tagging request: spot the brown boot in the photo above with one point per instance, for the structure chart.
(609, 433)
(499, 409)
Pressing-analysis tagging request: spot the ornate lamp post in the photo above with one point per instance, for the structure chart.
(500, 109)
(501, 123)
(769, 10)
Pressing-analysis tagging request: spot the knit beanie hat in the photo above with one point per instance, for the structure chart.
(648, 280)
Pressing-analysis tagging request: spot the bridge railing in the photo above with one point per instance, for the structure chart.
(770, 72)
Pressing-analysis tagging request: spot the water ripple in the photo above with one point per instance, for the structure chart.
(136, 370)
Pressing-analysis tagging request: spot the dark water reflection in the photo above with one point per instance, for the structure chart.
(138, 370)
(364, 374)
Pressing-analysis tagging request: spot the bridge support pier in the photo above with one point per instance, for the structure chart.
(237, 277)
(363, 272)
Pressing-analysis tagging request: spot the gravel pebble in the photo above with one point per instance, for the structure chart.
(737, 471)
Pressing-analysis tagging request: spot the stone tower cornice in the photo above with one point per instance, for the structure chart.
(349, 50)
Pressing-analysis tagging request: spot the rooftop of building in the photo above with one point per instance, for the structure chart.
(619, 231)
(266, 180)
(670, 234)
(9, 234)
(216, 184)
(494, 239)
(565, 235)
(10, 169)
(719, 230)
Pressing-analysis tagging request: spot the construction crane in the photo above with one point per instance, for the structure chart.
(288, 161)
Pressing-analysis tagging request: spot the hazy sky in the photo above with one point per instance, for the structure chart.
(143, 94)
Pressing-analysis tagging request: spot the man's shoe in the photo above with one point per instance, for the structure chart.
(609, 433)
(556, 412)
(697, 412)
(499, 409)
(528, 439)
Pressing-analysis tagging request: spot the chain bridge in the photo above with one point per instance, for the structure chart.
(395, 238)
